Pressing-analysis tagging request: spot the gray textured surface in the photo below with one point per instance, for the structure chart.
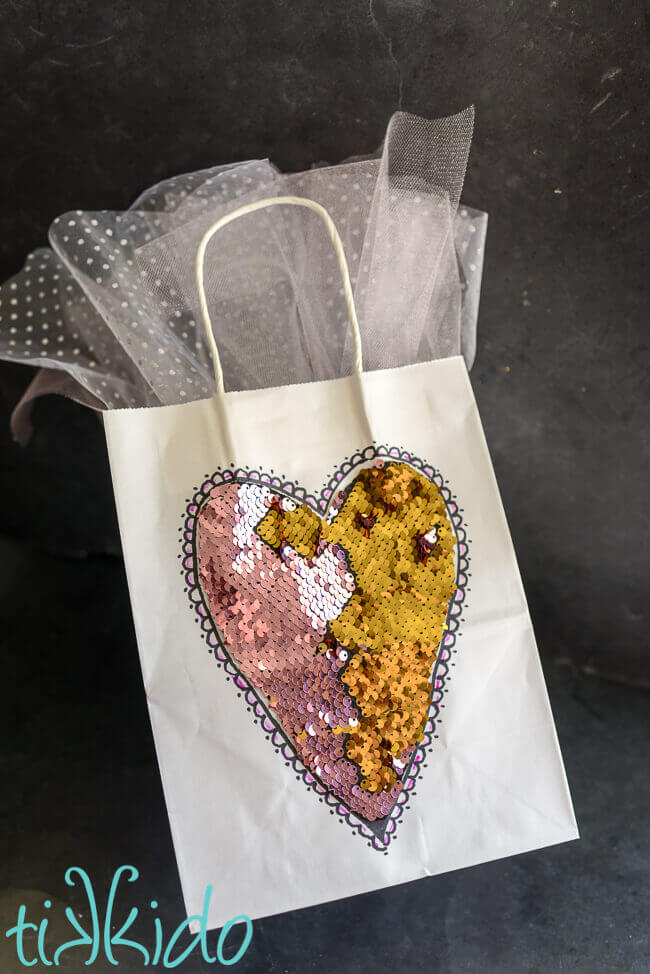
(103, 99)
(100, 100)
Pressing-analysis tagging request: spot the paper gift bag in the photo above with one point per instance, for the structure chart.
(339, 663)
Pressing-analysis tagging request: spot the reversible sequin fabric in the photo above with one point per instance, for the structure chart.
(336, 622)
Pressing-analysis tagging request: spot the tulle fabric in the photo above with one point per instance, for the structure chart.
(110, 309)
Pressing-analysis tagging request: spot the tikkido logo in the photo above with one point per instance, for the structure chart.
(98, 936)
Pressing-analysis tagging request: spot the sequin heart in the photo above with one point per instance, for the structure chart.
(336, 617)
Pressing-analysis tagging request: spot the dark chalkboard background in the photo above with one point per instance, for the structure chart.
(102, 99)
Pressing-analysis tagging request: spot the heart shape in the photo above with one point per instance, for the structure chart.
(335, 617)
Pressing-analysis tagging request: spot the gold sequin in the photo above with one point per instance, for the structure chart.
(399, 542)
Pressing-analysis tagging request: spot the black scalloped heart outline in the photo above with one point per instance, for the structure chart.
(382, 832)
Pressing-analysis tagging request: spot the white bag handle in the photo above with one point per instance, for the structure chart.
(340, 254)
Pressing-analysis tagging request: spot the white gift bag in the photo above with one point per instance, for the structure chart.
(339, 662)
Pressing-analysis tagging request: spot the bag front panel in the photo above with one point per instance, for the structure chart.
(340, 667)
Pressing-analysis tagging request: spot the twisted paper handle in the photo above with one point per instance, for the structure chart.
(340, 254)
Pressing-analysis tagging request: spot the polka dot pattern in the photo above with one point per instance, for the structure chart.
(113, 301)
